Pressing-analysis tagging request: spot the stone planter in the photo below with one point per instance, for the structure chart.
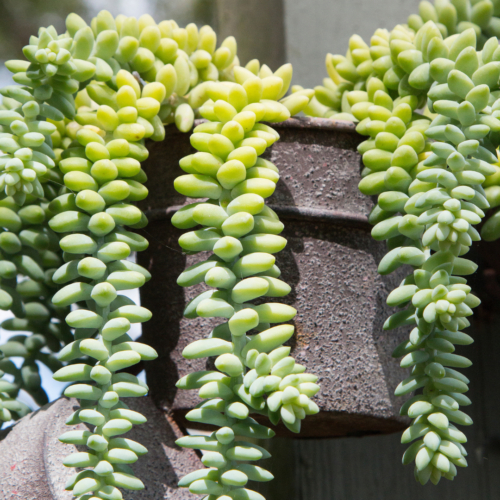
(31, 456)
(330, 261)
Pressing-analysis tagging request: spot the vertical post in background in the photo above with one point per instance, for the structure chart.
(257, 25)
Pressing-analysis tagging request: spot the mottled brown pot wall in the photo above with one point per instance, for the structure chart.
(31, 456)
(330, 261)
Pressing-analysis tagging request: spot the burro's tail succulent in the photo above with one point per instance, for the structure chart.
(427, 99)
(442, 215)
(396, 56)
(77, 95)
(10, 407)
(29, 258)
(73, 134)
(430, 196)
(104, 178)
(255, 373)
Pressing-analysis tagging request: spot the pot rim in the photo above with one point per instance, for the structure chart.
(298, 122)
(307, 122)
(289, 212)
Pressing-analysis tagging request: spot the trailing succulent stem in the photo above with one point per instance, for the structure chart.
(10, 408)
(255, 373)
(29, 249)
(435, 172)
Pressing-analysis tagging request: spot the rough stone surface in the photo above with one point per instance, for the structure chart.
(31, 455)
(330, 262)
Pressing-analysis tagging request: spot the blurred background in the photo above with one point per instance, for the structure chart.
(274, 31)
(302, 32)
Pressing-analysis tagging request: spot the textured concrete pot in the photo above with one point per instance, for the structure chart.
(31, 455)
(330, 261)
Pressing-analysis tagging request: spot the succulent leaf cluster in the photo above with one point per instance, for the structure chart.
(39, 121)
(31, 256)
(255, 373)
(393, 56)
(29, 249)
(427, 98)
(72, 139)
